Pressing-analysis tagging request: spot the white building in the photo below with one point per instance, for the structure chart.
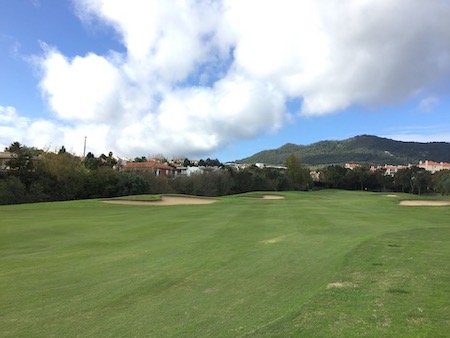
(434, 166)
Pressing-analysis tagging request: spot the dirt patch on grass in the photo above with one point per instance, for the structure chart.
(340, 285)
(272, 240)
(273, 197)
(166, 200)
(425, 203)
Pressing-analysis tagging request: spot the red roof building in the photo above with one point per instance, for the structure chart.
(159, 169)
(434, 166)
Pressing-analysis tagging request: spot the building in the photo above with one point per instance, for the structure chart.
(159, 169)
(351, 166)
(5, 156)
(434, 166)
(391, 170)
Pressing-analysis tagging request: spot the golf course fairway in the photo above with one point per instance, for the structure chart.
(312, 264)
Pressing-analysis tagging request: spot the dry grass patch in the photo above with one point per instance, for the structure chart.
(339, 285)
(273, 240)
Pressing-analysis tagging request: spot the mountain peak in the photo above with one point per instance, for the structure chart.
(359, 149)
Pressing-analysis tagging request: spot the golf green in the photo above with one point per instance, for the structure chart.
(314, 264)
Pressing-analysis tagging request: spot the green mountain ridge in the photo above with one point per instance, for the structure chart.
(359, 149)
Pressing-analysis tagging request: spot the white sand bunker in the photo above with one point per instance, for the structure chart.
(273, 197)
(166, 200)
(391, 195)
(425, 203)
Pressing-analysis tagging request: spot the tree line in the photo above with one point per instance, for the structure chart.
(34, 175)
(412, 180)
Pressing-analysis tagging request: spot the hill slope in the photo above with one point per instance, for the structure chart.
(359, 149)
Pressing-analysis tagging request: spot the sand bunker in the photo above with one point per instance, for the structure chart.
(273, 197)
(425, 203)
(166, 200)
(391, 195)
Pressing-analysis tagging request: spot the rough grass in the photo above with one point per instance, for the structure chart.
(242, 267)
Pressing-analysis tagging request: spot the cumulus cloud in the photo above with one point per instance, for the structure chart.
(198, 74)
(84, 88)
(49, 135)
(10, 125)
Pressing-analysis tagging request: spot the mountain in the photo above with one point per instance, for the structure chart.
(359, 149)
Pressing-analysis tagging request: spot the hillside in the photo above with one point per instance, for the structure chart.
(359, 149)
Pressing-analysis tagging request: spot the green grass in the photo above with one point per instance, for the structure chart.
(318, 264)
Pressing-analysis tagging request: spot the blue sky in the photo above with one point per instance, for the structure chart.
(221, 79)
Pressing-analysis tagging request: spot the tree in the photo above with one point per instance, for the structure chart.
(334, 176)
(62, 175)
(12, 191)
(413, 180)
(242, 181)
(441, 182)
(212, 163)
(416, 181)
(23, 161)
(361, 175)
(91, 162)
(422, 180)
(402, 179)
(273, 177)
(108, 161)
(383, 181)
(186, 162)
(130, 183)
(140, 159)
(298, 175)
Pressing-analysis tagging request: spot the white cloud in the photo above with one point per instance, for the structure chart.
(338, 53)
(428, 103)
(50, 135)
(12, 126)
(196, 120)
(431, 133)
(85, 88)
(198, 74)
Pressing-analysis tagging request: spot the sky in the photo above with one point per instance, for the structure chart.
(221, 78)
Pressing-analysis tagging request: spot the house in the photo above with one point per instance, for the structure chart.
(5, 156)
(195, 170)
(315, 175)
(180, 171)
(391, 170)
(351, 166)
(434, 166)
(159, 169)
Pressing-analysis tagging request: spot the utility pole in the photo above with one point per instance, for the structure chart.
(84, 150)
